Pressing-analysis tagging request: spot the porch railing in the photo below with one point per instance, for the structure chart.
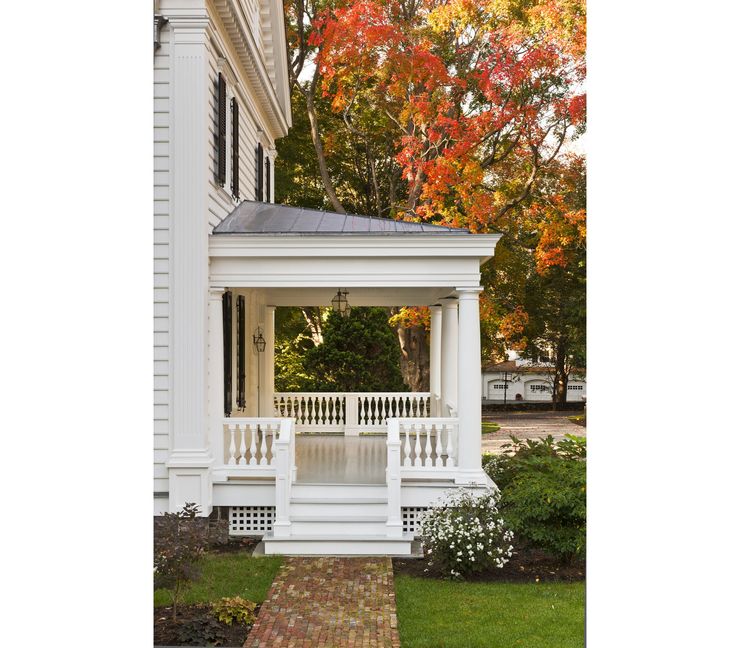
(418, 448)
(349, 412)
(250, 442)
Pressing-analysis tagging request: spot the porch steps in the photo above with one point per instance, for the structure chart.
(338, 520)
(337, 545)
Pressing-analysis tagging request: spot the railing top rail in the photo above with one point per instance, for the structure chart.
(352, 393)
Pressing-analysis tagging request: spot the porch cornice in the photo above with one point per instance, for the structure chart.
(480, 246)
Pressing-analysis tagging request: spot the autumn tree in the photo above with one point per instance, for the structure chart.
(451, 111)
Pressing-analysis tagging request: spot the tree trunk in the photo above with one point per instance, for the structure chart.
(561, 374)
(313, 317)
(318, 148)
(414, 357)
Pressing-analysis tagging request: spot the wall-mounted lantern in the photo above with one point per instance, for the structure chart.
(259, 340)
(340, 304)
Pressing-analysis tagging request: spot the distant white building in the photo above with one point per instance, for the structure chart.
(521, 380)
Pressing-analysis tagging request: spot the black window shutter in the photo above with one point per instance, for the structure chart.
(267, 180)
(235, 150)
(221, 130)
(259, 172)
(227, 330)
(241, 352)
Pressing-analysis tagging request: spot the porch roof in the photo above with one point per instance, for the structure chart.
(251, 217)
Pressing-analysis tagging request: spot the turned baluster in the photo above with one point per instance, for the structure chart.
(253, 447)
(450, 446)
(263, 433)
(231, 461)
(407, 449)
(439, 446)
(429, 447)
(416, 447)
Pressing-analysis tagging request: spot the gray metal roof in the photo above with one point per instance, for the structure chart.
(266, 218)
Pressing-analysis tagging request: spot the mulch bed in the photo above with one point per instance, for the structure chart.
(525, 566)
(234, 545)
(168, 633)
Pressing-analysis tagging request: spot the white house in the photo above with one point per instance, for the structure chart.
(226, 258)
(519, 380)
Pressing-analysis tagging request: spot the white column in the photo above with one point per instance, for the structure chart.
(449, 357)
(435, 349)
(268, 360)
(190, 457)
(216, 379)
(469, 403)
(272, 155)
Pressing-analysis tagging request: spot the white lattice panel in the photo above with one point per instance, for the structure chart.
(251, 520)
(411, 518)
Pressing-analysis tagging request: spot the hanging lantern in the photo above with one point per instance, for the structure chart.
(340, 305)
(259, 340)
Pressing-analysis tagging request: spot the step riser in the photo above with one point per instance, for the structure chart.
(341, 548)
(337, 528)
(329, 509)
(338, 491)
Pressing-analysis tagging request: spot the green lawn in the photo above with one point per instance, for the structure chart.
(229, 575)
(436, 613)
(490, 427)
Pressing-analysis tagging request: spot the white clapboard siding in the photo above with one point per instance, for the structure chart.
(161, 220)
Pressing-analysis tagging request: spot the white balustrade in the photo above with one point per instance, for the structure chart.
(249, 442)
(349, 412)
(429, 443)
(317, 411)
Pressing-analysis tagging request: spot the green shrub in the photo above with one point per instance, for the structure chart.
(543, 486)
(464, 533)
(234, 609)
(201, 630)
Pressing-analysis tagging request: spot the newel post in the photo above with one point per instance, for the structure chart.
(283, 460)
(394, 525)
(351, 415)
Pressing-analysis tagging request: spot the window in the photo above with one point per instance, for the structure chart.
(259, 172)
(500, 386)
(540, 388)
(221, 139)
(575, 387)
(235, 184)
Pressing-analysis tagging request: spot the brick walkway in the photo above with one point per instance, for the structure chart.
(329, 603)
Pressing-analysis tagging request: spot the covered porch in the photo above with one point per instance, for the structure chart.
(277, 448)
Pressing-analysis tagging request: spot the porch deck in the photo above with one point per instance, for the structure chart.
(341, 459)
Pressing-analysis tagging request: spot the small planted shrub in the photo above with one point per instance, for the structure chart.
(234, 609)
(465, 533)
(543, 485)
(201, 630)
(179, 545)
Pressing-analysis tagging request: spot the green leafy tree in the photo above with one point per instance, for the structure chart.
(359, 353)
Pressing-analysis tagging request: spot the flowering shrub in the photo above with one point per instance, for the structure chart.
(464, 533)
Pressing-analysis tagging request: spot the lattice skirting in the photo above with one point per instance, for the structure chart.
(411, 518)
(251, 520)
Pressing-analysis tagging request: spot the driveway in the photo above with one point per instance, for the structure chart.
(528, 425)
